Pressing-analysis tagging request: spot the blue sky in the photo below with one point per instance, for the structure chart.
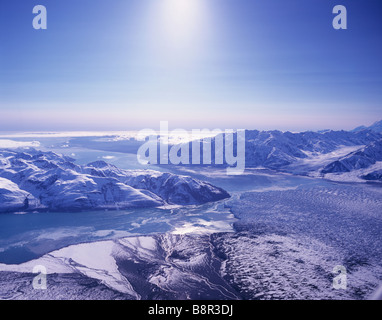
(128, 64)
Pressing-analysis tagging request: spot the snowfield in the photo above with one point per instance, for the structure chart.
(273, 266)
(11, 144)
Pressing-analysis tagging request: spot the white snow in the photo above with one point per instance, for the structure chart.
(60, 184)
(201, 227)
(95, 260)
(8, 185)
(316, 161)
(51, 264)
(11, 144)
(355, 175)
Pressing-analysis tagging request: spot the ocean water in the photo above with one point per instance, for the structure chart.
(24, 237)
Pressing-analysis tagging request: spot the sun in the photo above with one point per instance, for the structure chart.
(177, 31)
(181, 19)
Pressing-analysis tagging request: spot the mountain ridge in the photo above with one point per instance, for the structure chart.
(35, 180)
(376, 126)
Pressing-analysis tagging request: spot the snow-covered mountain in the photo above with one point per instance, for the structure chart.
(310, 153)
(325, 154)
(275, 149)
(364, 163)
(373, 176)
(377, 127)
(169, 187)
(31, 180)
(11, 197)
(278, 150)
(360, 159)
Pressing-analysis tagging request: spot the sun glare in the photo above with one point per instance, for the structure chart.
(181, 13)
(182, 20)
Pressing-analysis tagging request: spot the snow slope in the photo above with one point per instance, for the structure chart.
(360, 165)
(362, 158)
(158, 267)
(45, 180)
(12, 198)
(377, 127)
(312, 153)
(277, 150)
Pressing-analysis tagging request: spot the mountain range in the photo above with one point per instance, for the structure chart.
(313, 153)
(35, 180)
(276, 150)
(377, 127)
